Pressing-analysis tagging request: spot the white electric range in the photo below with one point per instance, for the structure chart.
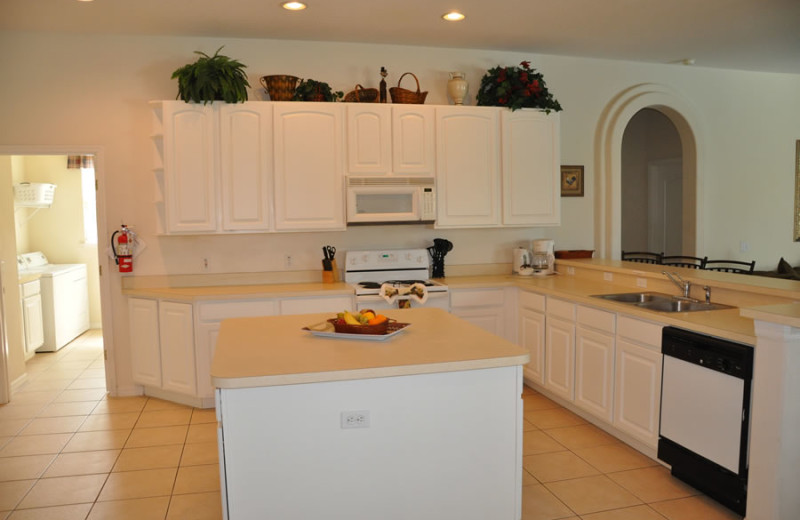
(394, 278)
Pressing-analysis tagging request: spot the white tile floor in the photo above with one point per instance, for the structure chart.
(68, 452)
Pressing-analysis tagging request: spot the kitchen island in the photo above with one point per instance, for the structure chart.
(424, 425)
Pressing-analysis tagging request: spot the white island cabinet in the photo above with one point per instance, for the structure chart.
(311, 426)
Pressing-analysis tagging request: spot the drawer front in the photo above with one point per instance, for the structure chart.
(597, 319)
(477, 298)
(642, 332)
(561, 309)
(314, 305)
(31, 288)
(532, 301)
(215, 311)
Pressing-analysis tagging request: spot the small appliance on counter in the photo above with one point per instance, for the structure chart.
(543, 257)
(521, 262)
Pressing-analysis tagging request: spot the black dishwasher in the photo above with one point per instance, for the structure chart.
(705, 413)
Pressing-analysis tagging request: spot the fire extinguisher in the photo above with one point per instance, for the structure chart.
(123, 249)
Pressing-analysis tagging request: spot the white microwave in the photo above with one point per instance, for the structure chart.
(398, 200)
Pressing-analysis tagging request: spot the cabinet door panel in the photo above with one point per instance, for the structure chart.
(531, 168)
(467, 171)
(369, 141)
(34, 320)
(531, 337)
(560, 357)
(145, 342)
(246, 165)
(638, 391)
(488, 318)
(206, 344)
(413, 140)
(189, 178)
(309, 180)
(594, 372)
(177, 347)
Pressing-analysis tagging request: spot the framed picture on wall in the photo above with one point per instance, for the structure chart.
(571, 181)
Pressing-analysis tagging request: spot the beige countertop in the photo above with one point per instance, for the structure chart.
(783, 314)
(229, 292)
(744, 292)
(274, 350)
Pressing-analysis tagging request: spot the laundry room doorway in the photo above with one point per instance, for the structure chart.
(58, 264)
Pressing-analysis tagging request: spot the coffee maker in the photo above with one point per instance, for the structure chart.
(521, 263)
(544, 257)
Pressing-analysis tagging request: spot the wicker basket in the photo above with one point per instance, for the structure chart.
(362, 95)
(280, 87)
(401, 95)
(379, 328)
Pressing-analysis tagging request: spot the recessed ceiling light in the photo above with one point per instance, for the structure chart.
(294, 6)
(453, 16)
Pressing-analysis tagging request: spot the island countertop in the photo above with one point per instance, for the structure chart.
(274, 350)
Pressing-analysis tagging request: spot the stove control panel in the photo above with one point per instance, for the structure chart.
(390, 258)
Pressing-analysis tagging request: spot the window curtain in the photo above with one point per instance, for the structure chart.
(80, 161)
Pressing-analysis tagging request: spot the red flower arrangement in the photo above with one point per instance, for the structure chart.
(516, 87)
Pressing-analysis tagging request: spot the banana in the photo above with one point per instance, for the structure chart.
(350, 319)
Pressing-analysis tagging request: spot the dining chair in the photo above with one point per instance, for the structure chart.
(692, 262)
(643, 257)
(731, 266)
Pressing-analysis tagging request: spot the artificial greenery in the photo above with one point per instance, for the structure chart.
(212, 78)
(312, 90)
(516, 87)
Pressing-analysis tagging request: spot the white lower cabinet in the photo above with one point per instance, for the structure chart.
(594, 362)
(176, 336)
(144, 341)
(531, 334)
(162, 345)
(486, 308)
(559, 373)
(32, 317)
(638, 379)
(208, 318)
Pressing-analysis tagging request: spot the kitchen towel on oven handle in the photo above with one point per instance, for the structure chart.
(416, 291)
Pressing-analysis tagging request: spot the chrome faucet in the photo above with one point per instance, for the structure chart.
(682, 284)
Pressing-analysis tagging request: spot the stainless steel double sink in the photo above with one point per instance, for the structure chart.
(662, 302)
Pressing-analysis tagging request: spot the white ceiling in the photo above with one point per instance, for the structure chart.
(759, 35)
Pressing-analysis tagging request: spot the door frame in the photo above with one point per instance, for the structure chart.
(608, 164)
(103, 259)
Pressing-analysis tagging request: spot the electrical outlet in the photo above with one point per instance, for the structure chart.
(205, 264)
(355, 419)
(744, 246)
(608, 277)
(287, 261)
(570, 270)
(641, 282)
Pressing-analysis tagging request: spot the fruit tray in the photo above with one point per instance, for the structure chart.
(392, 330)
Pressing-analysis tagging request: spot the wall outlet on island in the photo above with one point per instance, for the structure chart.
(287, 261)
(355, 419)
(608, 277)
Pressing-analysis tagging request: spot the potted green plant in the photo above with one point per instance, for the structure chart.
(212, 78)
(516, 87)
(312, 90)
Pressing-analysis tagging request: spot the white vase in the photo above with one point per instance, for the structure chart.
(457, 87)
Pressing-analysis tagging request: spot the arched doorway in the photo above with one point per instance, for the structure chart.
(608, 164)
(652, 185)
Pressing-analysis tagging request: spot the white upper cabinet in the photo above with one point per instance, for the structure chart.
(369, 139)
(189, 169)
(217, 166)
(531, 168)
(413, 140)
(467, 167)
(245, 166)
(309, 167)
(384, 139)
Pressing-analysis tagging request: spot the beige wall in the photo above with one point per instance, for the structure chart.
(57, 231)
(93, 91)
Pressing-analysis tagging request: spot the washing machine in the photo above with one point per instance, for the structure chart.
(65, 298)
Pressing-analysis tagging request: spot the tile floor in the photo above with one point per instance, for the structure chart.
(67, 451)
